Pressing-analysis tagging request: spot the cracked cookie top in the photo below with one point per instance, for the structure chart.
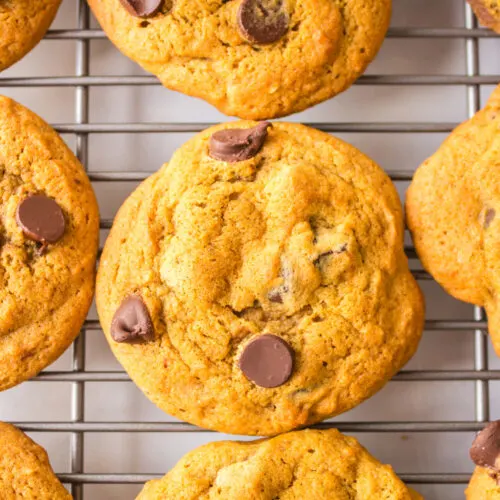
(453, 209)
(49, 227)
(260, 295)
(24, 23)
(255, 59)
(303, 464)
(25, 470)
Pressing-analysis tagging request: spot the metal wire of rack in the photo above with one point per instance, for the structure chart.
(78, 376)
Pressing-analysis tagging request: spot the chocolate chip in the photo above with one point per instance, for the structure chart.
(337, 251)
(262, 21)
(132, 322)
(238, 144)
(267, 361)
(275, 296)
(142, 8)
(41, 219)
(488, 217)
(485, 450)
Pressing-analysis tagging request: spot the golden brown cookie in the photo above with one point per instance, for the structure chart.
(256, 59)
(25, 471)
(24, 23)
(485, 453)
(488, 13)
(453, 212)
(483, 486)
(324, 465)
(258, 283)
(49, 227)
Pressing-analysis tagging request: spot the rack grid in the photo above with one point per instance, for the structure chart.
(78, 376)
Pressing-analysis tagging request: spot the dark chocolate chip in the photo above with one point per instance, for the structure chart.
(321, 257)
(488, 217)
(495, 476)
(142, 8)
(238, 144)
(262, 21)
(132, 322)
(275, 296)
(267, 361)
(41, 219)
(485, 450)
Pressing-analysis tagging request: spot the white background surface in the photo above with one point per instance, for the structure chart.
(400, 401)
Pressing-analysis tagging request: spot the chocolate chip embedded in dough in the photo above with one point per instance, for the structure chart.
(142, 8)
(323, 256)
(132, 322)
(275, 295)
(263, 21)
(485, 450)
(41, 219)
(489, 215)
(267, 361)
(238, 144)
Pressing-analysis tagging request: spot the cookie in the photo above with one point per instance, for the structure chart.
(24, 23)
(255, 59)
(485, 453)
(25, 471)
(258, 283)
(488, 13)
(49, 228)
(306, 464)
(453, 212)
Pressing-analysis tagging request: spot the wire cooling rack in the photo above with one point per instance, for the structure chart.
(79, 376)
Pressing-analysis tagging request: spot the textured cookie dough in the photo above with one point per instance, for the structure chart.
(46, 288)
(482, 486)
(303, 242)
(485, 453)
(25, 471)
(199, 48)
(488, 13)
(23, 24)
(324, 465)
(453, 212)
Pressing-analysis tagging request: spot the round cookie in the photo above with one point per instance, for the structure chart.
(24, 23)
(485, 453)
(249, 64)
(488, 13)
(258, 283)
(453, 209)
(49, 229)
(25, 471)
(304, 464)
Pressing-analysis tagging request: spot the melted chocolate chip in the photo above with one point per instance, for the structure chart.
(142, 8)
(489, 215)
(321, 257)
(132, 322)
(275, 296)
(238, 144)
(41, 219)
(267, 361)
(485, 450)
(262, 21)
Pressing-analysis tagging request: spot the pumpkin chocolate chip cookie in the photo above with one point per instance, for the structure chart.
(256, 59)
(488, 13)
(23, 22)
(453, 211)
(258, 283)
(323, 465)
(25, 471)
(49, 227)
(485, 453)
